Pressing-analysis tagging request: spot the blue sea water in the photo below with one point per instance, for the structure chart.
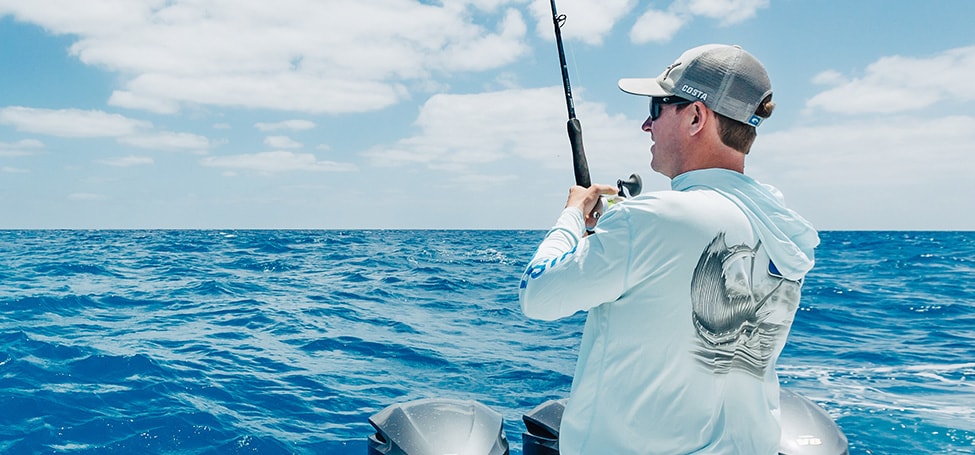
(270, 342)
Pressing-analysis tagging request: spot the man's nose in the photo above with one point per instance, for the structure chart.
(647, 125)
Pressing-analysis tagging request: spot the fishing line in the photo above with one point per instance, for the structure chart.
(575, 65)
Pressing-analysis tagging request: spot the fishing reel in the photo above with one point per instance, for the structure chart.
(630, 187)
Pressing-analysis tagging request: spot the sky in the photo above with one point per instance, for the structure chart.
(405, 114)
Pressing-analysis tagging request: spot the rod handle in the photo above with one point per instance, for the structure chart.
(579, 163)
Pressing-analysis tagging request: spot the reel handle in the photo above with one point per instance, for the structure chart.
(632, 186)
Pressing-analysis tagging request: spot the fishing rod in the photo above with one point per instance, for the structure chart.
(580, 165)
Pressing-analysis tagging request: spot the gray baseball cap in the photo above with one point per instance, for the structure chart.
(729, 81)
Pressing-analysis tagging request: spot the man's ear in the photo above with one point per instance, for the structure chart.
(697, 117)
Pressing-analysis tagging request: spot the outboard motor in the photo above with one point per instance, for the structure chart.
(542, 428)
(806, 428)
(438, 426)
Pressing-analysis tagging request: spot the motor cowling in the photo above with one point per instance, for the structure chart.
(541, 436)
(438, 426)
(806, 428)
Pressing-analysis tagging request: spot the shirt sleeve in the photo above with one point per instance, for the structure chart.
(571, 272)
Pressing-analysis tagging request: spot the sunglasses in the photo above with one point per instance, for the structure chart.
(657, 103)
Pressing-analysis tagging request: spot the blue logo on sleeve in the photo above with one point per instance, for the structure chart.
(537, 270)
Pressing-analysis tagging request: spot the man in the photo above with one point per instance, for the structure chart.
(690, 293)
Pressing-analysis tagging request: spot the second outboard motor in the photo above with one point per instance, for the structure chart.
(806, 428)
(438, 426)
(542, 428)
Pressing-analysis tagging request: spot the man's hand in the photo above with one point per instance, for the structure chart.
(588, 201)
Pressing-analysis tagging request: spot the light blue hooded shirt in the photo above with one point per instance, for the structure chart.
(651, 378)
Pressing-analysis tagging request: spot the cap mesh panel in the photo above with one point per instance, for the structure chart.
(708, 72)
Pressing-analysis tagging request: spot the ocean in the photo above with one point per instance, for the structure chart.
(274, 342)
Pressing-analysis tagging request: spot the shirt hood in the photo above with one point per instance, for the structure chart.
(788, 237)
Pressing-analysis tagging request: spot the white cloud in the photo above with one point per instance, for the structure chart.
(130, 100)
(728, 11)
(484, 54)
(900, 84)
(277, 161)
(460, 133)
(483, 181)
(282, 142)
(888, 173)
(77, 123)
(301, 55)
(23, 147)
(656, 26)
(891, 150)
(487, 5)
(294, 125)
(586, 20)
(70, 122)
(830, 77)
(13, 170)
(287, 91)
(168, 141)
(87, 197)
(659, 26)
(128, 161)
